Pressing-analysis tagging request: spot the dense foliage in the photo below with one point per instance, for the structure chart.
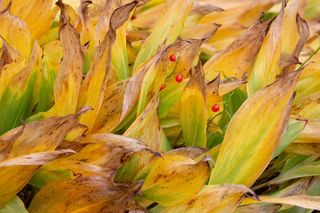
(159, 106)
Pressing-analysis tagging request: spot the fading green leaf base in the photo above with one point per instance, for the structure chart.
(15, 205)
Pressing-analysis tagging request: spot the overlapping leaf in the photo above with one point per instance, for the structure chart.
(236, 166)
(100, 74)
(173, 179)
(25, 148)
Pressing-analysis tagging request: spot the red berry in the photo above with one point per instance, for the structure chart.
(172, 58)
(179, 78)
(215, 108)
(162, 86)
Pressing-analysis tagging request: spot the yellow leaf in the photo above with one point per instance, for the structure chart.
(100, 74)
(16, 93)
(224, 37)
(16, 172)
(304, 201)
(308, 84)
(304, 148)
(173, 179)
(38, 15)
(281, 52)
(38, 158)
(38, 136)
(69, 77)
(16, 33)
(191, 152)
(53, 52)
(237, 58)
(44, 88)
(311, 133)
(193, 110)
(63, 169)
(147, 127)
(109, 150)
(111, 108)
(229, 85)
(245, 154)
(235, 18)
(290, 27)
(8, 54)
(95, 20)
(119, 53)
(309, 107)
(7, 73)
(186, 52)
(244, 14)
(93, 194)
(211, 199)
(257, 208)
(264, 71)
(147, 17)
(198, 31)
(153, 80)
(133, 89)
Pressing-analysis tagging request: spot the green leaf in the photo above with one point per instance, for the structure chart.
(294, 129)
(15, 205)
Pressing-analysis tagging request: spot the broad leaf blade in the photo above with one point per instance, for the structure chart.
(271, 107)
(193, 110)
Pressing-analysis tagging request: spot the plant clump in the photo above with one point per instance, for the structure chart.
(159, 106)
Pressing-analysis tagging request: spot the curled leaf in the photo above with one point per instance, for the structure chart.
(109, 151)
(68, 80)
(16, 172)
(100, 74)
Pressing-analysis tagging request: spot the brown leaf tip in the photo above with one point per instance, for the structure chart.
(84, 110)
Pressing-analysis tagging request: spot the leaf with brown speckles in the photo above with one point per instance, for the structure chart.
(85, 194)
(173, 179)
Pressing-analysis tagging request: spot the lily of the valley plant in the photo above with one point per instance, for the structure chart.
(159, 106)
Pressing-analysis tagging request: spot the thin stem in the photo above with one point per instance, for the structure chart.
(308, 59)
